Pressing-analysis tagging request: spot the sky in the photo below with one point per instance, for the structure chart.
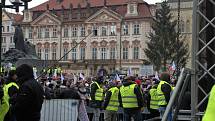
(34, 3)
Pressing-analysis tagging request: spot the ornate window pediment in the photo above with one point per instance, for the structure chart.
(104, 15)
(46, 19)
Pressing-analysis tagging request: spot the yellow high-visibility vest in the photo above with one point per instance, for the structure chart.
(13, 68)
(113, 104)
(154, 99)
(129, 99)
(4, 106)
(209, 113)
(99, 93)
(161, 97)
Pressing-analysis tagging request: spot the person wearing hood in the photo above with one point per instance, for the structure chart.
(131, 99)
(111, 102)
(30, 97)
(10, 92)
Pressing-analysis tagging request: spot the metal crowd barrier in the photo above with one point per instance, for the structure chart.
(60, 110)
(67, 110)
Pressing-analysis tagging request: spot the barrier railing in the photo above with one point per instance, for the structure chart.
(60, 110)
(67, 110)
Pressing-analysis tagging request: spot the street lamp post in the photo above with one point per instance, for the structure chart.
(15, 5)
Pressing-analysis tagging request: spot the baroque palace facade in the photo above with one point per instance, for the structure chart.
(96, 31)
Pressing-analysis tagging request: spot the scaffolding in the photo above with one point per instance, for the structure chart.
(203, 55)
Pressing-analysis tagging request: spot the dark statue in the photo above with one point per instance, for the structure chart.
(19, 39)
(23, 49)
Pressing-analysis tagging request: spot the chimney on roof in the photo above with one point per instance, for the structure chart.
(70, 11)
(79, 11)
(62, 10)
(105, 2)
(88, 7)
(47, 7)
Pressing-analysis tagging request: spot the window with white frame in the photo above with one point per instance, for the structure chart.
(136, 53)
(2, 28)
(30, 33)
(94, 53)
(82, 53)
(82, 31)
(74, 31)
(95, 31)
(3, 49)
(39, 52)
(136, 29)
(66, 34)
(65, 50)
(4, 39)
(103, 53)
(54, 35)
(8, 28)
(74, 54)
(11, 40)
(104, 31)
(39, 32)
(188, 26)
(46, 53)
(54, 53)
(46, 32)
(125, 53)
(113, 30)
(125, 29)
(113, 53)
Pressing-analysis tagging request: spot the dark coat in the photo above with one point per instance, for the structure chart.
(29, 101)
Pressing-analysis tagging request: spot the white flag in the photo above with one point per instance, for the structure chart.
(61, 77)
(156, 75)
(117, 78)
(81, 76)
(129, 73)
(173, 66)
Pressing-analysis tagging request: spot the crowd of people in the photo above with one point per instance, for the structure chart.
(22, 95)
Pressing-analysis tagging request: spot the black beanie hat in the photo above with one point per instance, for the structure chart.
(24, 72)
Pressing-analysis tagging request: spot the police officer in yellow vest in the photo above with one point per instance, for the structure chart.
(13, 67)
(97, 96)
(209, 113)
(10, 91)
(164, 90)
(131, 99)
(59, 71)
(111, 102)
(153, 100)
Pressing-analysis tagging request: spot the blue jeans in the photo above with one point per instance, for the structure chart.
(162, 111)
(136, 114)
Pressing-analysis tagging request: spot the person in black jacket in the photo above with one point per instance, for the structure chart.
(134, 112)
(30, 97)
(12, 92)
